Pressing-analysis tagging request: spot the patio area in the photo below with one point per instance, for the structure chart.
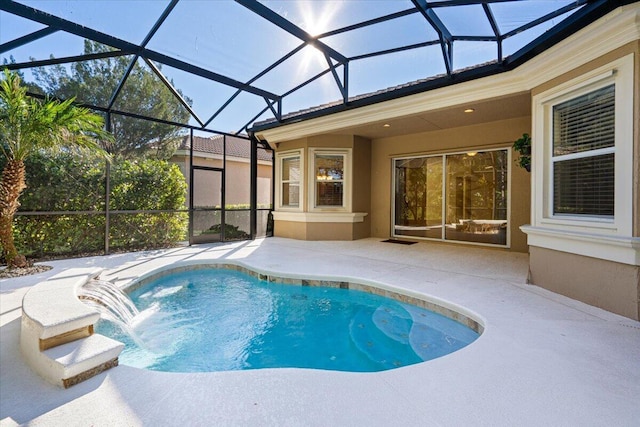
(543, 359)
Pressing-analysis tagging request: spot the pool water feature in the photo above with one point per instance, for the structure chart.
(218, 320)
(111, 301)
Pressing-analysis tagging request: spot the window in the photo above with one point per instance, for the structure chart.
(583, 155)
(583, 152)
(583, 165)
(290, 169)
(329, 180)
(329, 176)
(459, 197)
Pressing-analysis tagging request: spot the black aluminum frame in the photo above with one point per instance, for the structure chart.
(588, 11)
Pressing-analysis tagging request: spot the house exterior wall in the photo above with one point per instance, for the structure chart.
(237, 180)
(601, 278)
(499, 134)
(309, 225)
(362, 186)
(610, 285)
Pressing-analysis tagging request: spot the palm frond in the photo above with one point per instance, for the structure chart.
(28, 124)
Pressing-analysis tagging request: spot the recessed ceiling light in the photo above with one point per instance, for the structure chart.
(386, 125)
(469, 110)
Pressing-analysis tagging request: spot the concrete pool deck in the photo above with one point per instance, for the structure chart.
(543, 359)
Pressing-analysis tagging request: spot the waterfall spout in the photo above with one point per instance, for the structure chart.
(112, 303)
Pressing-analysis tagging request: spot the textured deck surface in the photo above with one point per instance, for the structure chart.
(543, 359)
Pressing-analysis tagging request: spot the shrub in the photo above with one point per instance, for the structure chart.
(66, 181)
(147, 185)
(231, 232)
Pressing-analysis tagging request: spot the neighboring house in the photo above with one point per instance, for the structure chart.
(208, 153)
(439, 165)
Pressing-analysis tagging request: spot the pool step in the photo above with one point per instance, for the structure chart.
(395, 323)
(377, 345)
(56, 336)
(79, 360)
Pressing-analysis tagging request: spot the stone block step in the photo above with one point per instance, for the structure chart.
(81, 359)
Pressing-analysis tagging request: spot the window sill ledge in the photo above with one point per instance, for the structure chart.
(336, 217)
(625, 250)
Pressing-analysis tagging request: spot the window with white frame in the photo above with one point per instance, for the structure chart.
(290, 169)
(583, 164)
(329, 182)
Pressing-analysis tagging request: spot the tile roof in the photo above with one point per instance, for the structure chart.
(409, 88)
(236, 147)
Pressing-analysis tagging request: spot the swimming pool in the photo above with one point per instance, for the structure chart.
(206, 320)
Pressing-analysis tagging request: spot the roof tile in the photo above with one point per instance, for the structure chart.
(236, 147)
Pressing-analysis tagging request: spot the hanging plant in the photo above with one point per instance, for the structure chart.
(523, 146)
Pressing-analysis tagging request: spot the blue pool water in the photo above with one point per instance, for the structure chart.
(220, 320)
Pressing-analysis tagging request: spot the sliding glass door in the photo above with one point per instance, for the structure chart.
(418, 197)
(459, 197)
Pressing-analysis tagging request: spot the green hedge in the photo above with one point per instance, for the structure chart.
(67, 181)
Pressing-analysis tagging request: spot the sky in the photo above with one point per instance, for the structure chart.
(227, 38)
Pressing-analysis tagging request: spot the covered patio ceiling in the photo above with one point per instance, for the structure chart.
(241, 65)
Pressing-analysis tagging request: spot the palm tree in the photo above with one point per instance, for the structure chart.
(26, 126)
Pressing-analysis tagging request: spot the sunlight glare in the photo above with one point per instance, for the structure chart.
(316, 20)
